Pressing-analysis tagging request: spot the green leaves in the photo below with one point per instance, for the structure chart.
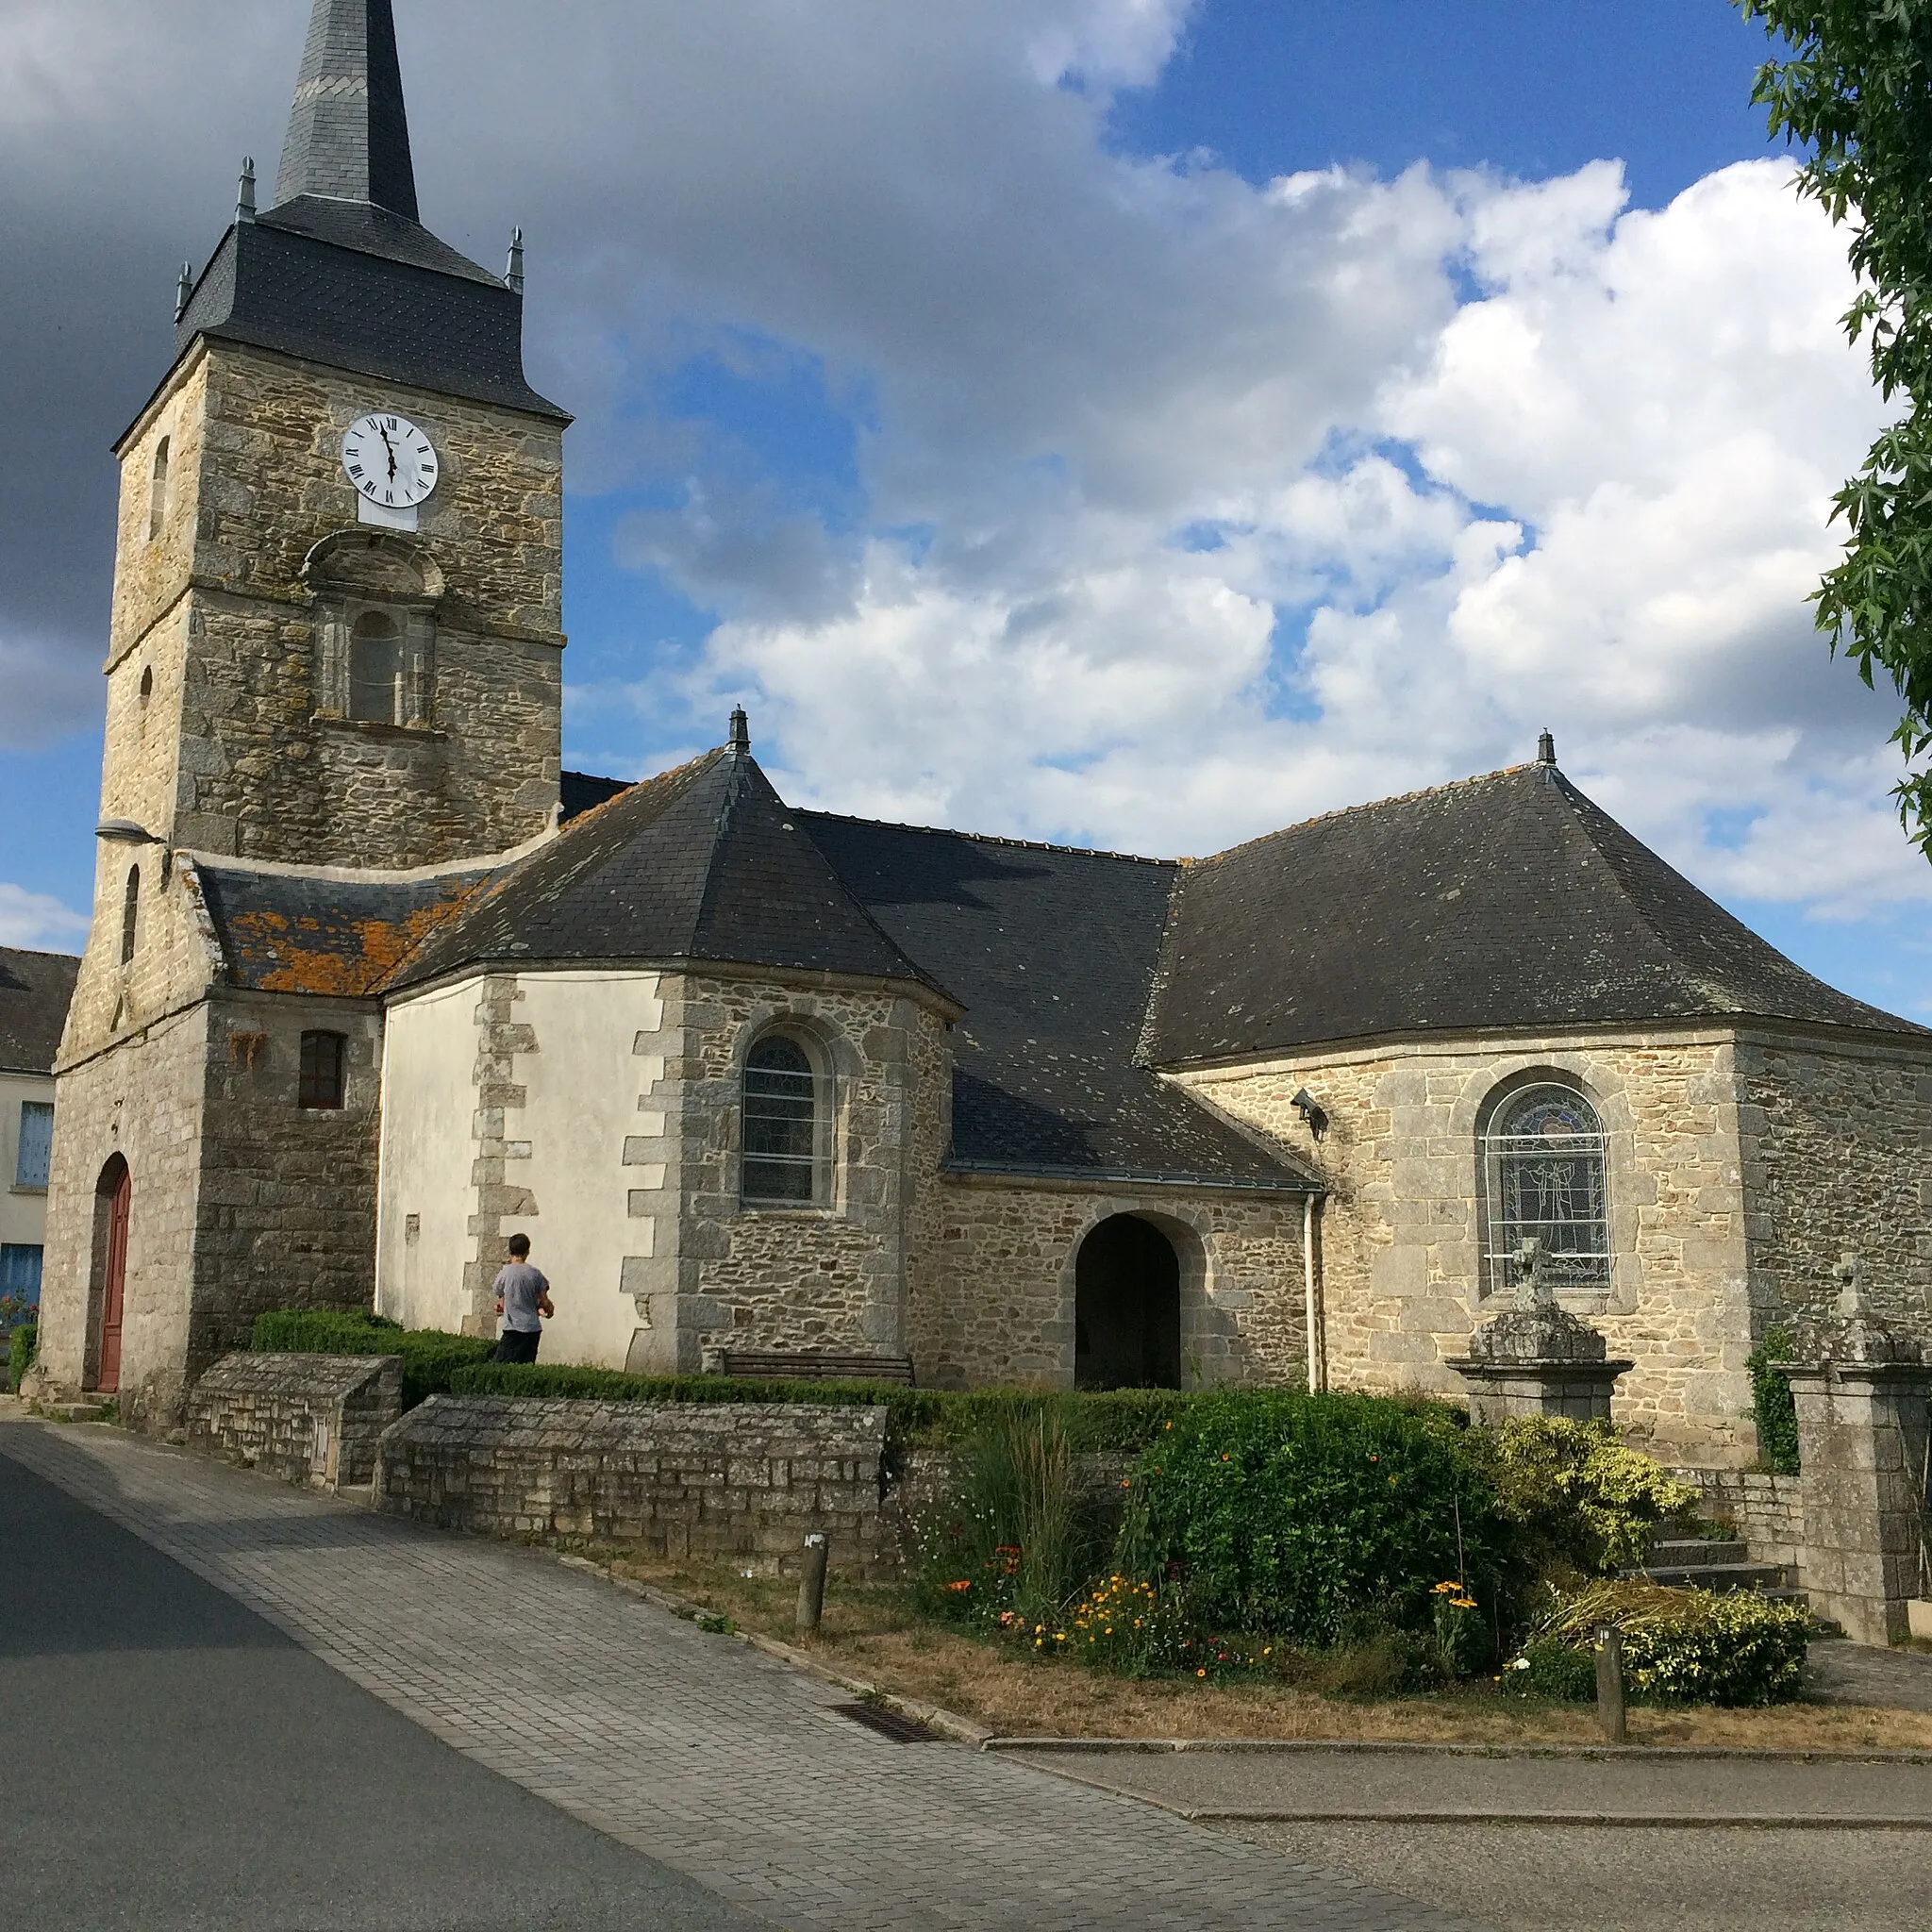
(1855, 87)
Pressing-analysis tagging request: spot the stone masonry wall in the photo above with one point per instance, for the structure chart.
(314, 1419)
(1403, 1280)
(828, 1276)
(687, 1480)
(142, 1100)
(218, 617)
(1000, 1307)
(1837, 1141)
(285, 1214)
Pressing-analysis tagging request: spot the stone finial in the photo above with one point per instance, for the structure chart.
(1530, 1266)
(244, 193)
(513, 272)
(1854, 1332)
(741, 729)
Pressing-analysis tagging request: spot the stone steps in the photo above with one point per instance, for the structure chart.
(1693, 1563)
(70, 1411)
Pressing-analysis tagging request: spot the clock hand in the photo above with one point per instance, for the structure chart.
(391, 448)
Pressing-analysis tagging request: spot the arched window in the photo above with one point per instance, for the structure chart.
(783, 1125)
(158, 492)
(131, 913)
(376, 668)
(1544, 1178)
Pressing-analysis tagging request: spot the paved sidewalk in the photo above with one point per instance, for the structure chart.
(1842, 1673)
(1408, 1787)
(703, 1753)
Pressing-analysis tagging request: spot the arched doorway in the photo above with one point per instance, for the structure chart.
(113, 1196)
(1126, 1308)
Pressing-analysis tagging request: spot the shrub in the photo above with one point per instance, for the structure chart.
(1571, 1489)
(21, 1350)
(1771, 1408)
(1692, 1646)
(431, 1357)
(1549, 1667)
(1293, 1514)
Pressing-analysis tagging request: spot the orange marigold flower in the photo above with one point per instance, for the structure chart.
(1200, 1674)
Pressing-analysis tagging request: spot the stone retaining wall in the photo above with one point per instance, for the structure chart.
(308, 1419)
(1767, 1510)
(682, 1479)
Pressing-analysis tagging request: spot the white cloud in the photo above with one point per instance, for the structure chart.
(37, 923)
(1186, 505)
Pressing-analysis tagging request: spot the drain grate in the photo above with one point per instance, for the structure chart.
(888, 1724)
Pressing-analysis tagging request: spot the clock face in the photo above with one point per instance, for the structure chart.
(390, 460)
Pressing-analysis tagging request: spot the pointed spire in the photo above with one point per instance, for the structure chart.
(348, 133)
(244, 194)
(513, 274)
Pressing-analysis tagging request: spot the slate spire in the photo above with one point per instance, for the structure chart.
(348, 132)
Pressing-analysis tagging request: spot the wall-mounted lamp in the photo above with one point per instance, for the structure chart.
(1311, 1110)
(124, 832)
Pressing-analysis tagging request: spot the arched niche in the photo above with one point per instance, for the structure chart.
(368, 583)
(1126, 1306)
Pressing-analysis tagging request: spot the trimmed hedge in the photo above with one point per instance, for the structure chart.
(1121, 1420)
(431, 1357)
(1297, 1515)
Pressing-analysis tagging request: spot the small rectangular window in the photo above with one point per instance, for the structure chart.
(35, 1144)
(19, 1272)
(322, 1059)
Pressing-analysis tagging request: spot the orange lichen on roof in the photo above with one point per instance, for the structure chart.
(346, 958)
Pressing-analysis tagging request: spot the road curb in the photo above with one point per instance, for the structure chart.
(1675, 1754)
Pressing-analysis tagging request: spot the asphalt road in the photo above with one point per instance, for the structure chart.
(168, 1760)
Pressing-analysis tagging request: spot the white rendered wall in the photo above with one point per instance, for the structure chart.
(23, 1212)
(588, 1100)
(428, 1159)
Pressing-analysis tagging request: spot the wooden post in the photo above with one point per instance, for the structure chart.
(1610, 1682)
(812, 1582)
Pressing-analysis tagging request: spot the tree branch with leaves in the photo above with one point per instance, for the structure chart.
(1852, 86)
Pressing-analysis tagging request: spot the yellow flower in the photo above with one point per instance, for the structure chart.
(1200, 1674)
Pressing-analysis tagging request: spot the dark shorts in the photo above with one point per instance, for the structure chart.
(515, 1345)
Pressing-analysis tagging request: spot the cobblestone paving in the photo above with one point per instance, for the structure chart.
(693, 1749)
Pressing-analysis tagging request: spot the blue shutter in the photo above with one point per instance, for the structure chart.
(19, 1272)
(36, 1143)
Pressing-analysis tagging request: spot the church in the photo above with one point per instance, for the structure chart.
(372, 984)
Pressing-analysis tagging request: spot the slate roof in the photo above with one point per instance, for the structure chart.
(344, 939)
(1507, 901)
(341, 270)
(35, 991)
(704, 862)
(580, 793)
(348, 131)
(1053, 952)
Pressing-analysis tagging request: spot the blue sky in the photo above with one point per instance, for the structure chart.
(901, 422)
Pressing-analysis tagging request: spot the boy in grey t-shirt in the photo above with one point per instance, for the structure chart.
(523, 1296)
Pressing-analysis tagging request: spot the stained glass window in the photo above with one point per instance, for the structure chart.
(1543, 1160)
(781, 1124)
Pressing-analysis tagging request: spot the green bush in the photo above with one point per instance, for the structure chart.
(1296, 1515)
(431, 1357)
(1771, 1408)
(21, 1349)
(1548, 1667)
(1571, 1489)
(1692, 1646)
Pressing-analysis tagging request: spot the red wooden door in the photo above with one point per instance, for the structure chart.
(114, 1286)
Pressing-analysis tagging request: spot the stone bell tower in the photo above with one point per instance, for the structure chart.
(335, 655)
(338, 593)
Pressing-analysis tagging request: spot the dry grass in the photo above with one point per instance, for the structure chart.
(873, 1634)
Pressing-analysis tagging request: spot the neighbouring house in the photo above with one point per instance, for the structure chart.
(373, 984)
(35, 991)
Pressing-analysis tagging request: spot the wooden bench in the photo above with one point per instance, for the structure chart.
(813, 1365)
